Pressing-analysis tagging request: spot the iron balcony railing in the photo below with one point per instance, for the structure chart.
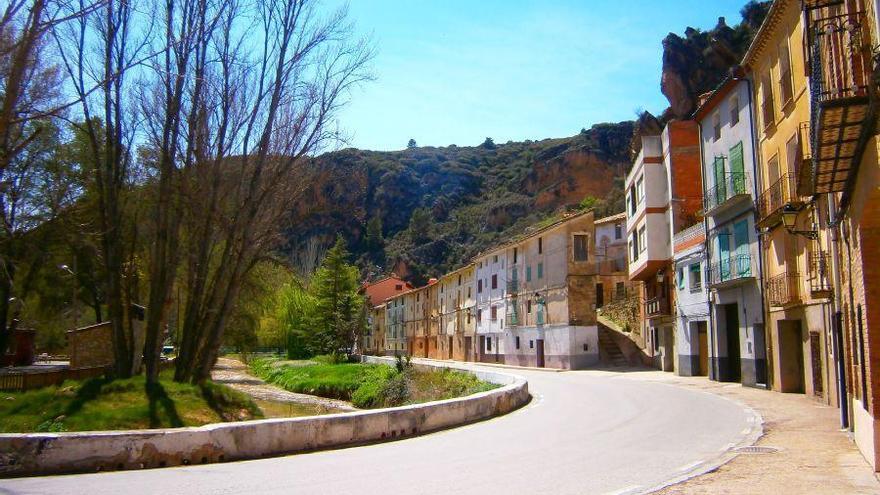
(820, 274)
(657, 306)
(841, 60)
(733, 185)
(774, 198)
(840, 57)
(783, 289)
(731, 268)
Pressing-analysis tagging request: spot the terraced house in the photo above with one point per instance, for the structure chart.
(812, 67)
(736, 333)
(663, 195)
(456, 314)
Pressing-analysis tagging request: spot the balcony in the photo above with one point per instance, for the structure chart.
(842, 97)
(734, 186)
(657, 307)
(513, 287)
(731, 271)
(819, 277)
(783, 289)
(781, 193)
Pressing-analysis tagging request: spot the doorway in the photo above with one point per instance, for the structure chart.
(791, 356)
(600, 296)
(450, 347)
(731, 325)
(703, 346)
(539, 344)
(468, 346)
(482, 348)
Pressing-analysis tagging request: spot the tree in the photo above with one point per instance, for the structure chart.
(373, 236)
(411, 144)
(338, 312)
(420, 224)
(488, 144)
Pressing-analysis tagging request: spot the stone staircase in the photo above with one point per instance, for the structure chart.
(609, 351)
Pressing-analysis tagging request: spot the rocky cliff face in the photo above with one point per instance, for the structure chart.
(470, 197)
(697, 62)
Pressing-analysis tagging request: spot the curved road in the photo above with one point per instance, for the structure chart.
(584, 432)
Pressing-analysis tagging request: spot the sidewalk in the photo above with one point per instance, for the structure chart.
(814, 456)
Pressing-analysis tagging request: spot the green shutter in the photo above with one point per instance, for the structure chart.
(540, 270)
(737, 169)
(720, 185)
(724, 255)
(741, 243)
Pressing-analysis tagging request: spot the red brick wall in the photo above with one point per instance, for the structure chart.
(687, 184)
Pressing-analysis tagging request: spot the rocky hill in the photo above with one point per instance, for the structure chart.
(424, 210)
(421, 211)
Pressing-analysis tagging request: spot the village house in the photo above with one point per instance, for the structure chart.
(663, 195)
(691, 304)
(456, 314)
(738, 349)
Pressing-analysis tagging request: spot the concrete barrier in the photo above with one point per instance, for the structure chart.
(55, 453)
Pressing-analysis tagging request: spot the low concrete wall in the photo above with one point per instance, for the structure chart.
(51, 453)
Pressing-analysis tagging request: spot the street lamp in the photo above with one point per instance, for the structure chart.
(789, 219)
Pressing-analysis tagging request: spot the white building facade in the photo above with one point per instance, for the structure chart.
(734, 274)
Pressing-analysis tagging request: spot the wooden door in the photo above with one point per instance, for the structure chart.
(540, 348)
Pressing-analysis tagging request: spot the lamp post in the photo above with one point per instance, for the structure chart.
(789, 219)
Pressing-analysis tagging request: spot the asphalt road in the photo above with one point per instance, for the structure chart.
(583, 433)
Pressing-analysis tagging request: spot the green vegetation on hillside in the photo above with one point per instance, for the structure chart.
(104, 404)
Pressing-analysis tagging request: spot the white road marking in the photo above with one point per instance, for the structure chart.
(625, 491)
(688, 467)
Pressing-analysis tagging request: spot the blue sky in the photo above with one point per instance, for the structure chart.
(457, 71)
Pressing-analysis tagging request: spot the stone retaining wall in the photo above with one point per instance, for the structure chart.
(52, 453)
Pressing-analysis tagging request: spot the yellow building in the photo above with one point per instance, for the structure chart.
(798, 306)
(816, 95)
(456, 314)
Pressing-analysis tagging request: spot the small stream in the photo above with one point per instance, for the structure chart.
(283, 409)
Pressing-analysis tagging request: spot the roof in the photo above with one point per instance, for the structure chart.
(760, 40)
(612, 218)
(723, 89)
(542, 230)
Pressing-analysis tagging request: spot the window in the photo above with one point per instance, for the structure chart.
(495, 259)
(734, 110)
(716, 126)
(479, 315)
(767, 112)
(680, 276)
(785, 85)
(480, 286)
(398, 287)
(772, 171)
(631, 199)
(618, 231)
(791, 151)
(634, 246)
(528, 274)
(515, 255)
(469, 292)
(580, 247)
(493, 315)
(459, 280)
(643, 239)
(695, 275)
(640, 189)
(468, 317)
(540, 270)
(620, 289)
(528, 306)
(531, 344)
(517, 342)
(540, 245)
(489, 344)
(495, 281)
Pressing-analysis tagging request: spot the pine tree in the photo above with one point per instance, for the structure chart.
(338, 314)
(411, 144)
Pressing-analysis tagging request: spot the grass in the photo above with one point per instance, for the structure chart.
(368, 385)
(104, 404)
